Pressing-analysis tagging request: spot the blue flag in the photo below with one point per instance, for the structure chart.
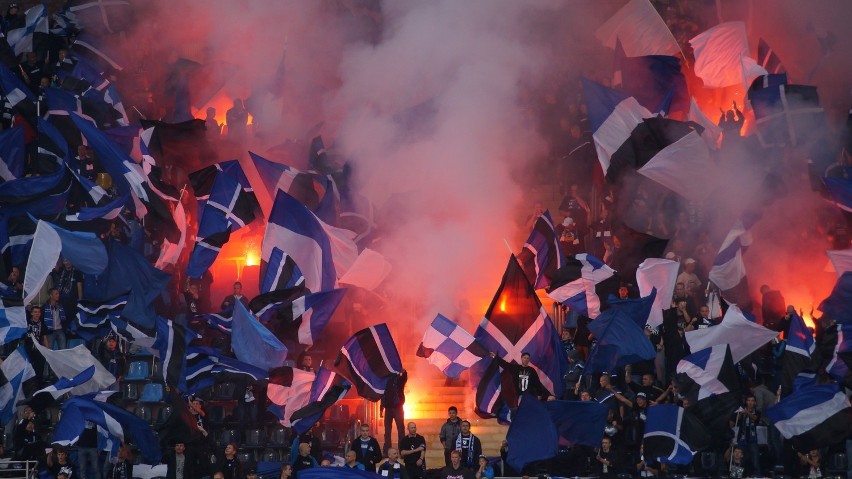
(12, 153)
(13, 88)
(637, 309)
(532, 435)
(328, 388)
(13, 323)
(650, 79)
(573, 285)
(302, 319)
(841, 190)
(542, 254)
(253, 343)
(281, 272)
(673, 435)
(620, 342)
(838, 306)
(578, 422)
(368, 359)
(202, 364)
(814, 416)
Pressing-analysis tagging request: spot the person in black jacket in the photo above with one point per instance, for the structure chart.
(123, 468)
(525, 379)
(392, 403)
(367, 450)
(180, 464)
(229, 465)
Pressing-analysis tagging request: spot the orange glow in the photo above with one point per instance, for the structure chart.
(503, 304)
(222, 104)
(809, 320)
(252, 253)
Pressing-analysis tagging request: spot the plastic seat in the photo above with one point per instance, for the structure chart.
(228, 436)
(130, 391)
(225, 391)
(252, 438)
(271, 455)
(164, 414)
(152, 392)
(215, 415)
(138, 371)
(278, 436)
(143, 412)
(245, 458)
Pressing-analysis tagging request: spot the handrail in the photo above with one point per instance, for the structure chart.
(29, 469)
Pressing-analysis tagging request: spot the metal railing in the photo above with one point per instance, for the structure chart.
(18, 469)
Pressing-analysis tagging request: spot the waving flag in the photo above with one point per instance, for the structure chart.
(101, 53)
(450, 348)
(786, 114)
(620, 341)
(728, 270)
(328, 388)
(253, 343)
(797, 352)
(541, 255)
(172, 343)
(202, 364)
(13, 323)
(294, 230)
(368, 359)
(813, 417)
(21, 39)
(291, 388)
(637, 309)
(673, 435)
(515, 322)
(302, 319)
(574, 284)
(16, 369)
(683, 166)
(117, 422)
(308, 188)
(281, 272)
(840, 365)
(652, 80)
(640, 28)
(578, 422)
(229, 204)
(837, 304)
(12, 153)
(767, 58)
(13, 88)
(743, 336)
(708, 378)
(659, 274)
(612, 117)
(711, 131)
(44, 398)
(111, 16)
(71, 362)
(719, 54)
(91, 315)
(532, 435)
(841, 261)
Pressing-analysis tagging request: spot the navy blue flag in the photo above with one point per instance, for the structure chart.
(86, 80)
(620, 341)
(93, 317)
(302, 319)
(254, 343)
(638, 309)
(116, 421)
(17, 237)
(798, 348)
(281, 272)
(673, 435)
(12, 153)
(575, 284)
(203, 364)
(128, 272)
(13, 323)
(532, 435)
(336, 473)
(515, 322)
(578, 422)
(100, 53)
(172, 343)
(838, 305)
(786, 114)
(542, 255)
(840, 365)
(13, 88)
(328, 388)
(650, 79)
(840, 190)
(767, 58)
(710, 381)
(368, 359)
(307, 187)
(813, 417)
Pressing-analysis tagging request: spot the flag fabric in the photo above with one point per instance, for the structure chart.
(84, 250)
(308, 188)
(128, 272)
(44, 398)
(541, 255)
(719, 53)
(450, 348)
(229, 205)
(71, 362)
(21, 39)
(100, 53)
(368, 271)
(836, 305)
(368, 359)
(110, 16)
(172, 342)
(13, 323)
(840, 365)
(131, 333)
(786, 114)
(711, 132)
(108, 211)
(673, 435)
(612, 117)
(303, 319)
(16, 369)
(328, 388)
(620, 341)
(813, 417)
(293, 229)
(515, 322)
(95, 87)
(640, 28)
(659, 274)
(768, 59)
(684, 166)
(115, 421)
(799, 347)
(743, 336)
(532, 436)
(217, 321)
(728, 269)
(17, 236)
(708, 378)
(336, 473)
(203, 364)
(841, 260)
(653, 80)
(291, 388)
(637, 309)
(12, 153)
(840, 190)
(281, 272)
(574, 284)
(267, 305)
(254, 343)
(93, 314)
(578, 422)
(13, 88)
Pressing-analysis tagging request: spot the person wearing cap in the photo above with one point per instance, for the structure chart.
(251, 474)
(13, 18)
(484, 470)
(391, 467)
(111, 357)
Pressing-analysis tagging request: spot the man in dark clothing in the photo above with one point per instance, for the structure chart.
(35, 335)
(315, 443)
(469, 445)
(304, 460)
(227, 306)
(180, 464)
(392, 403)
(367, 449)
(455, 470)
(413, 448)
(449, 431)
(392, 467)
(525, 379)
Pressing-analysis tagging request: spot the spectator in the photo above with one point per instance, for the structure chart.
(111, 357)
(449, 431)
(455, 469)
(352, 461)
(316, 445)
(227, 306)
(484, 470)
(87, 454)
(230, 466)
(123, 468)
(35, 335)
(287, 471)
(306, 362)
(413, 449)
(736, 467)
(55, 319)
(58, 462)
(237, 119)
(304, 460)
(367, 449)
(214, 129)
(607, 460)
(392, 467)
(469, 445)
(392, 403)
(13, 281)
(180, 464)
(192, 299)
(69, 281)
(746, 419)
(525, 377)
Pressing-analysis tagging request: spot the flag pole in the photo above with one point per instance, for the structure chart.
(507, 246)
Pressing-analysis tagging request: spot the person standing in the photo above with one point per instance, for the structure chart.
(367, 449)
(237, 120)
(412, 448)
(469, 445)
(227, 306)
(525, 378)
(55, 319)
(449, 431)
(179, 464)
(392, 403)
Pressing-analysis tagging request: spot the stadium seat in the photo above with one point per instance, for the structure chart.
(225, 392)
(152, 392)
(143, 412)
(164, 414)
(228, 436)
(73, 343)
(252, 438)
(215, 415)
(278, 436)
(245, 458)
(271, 455)
(138, 371)
(130, 391)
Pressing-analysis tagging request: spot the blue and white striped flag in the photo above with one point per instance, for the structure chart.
(13, 323)
(814, 416)
(328, 388)
(15, 370)
(21, 39)
(574, 284)
(368, 359)
(450, 348)
(542, 254)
